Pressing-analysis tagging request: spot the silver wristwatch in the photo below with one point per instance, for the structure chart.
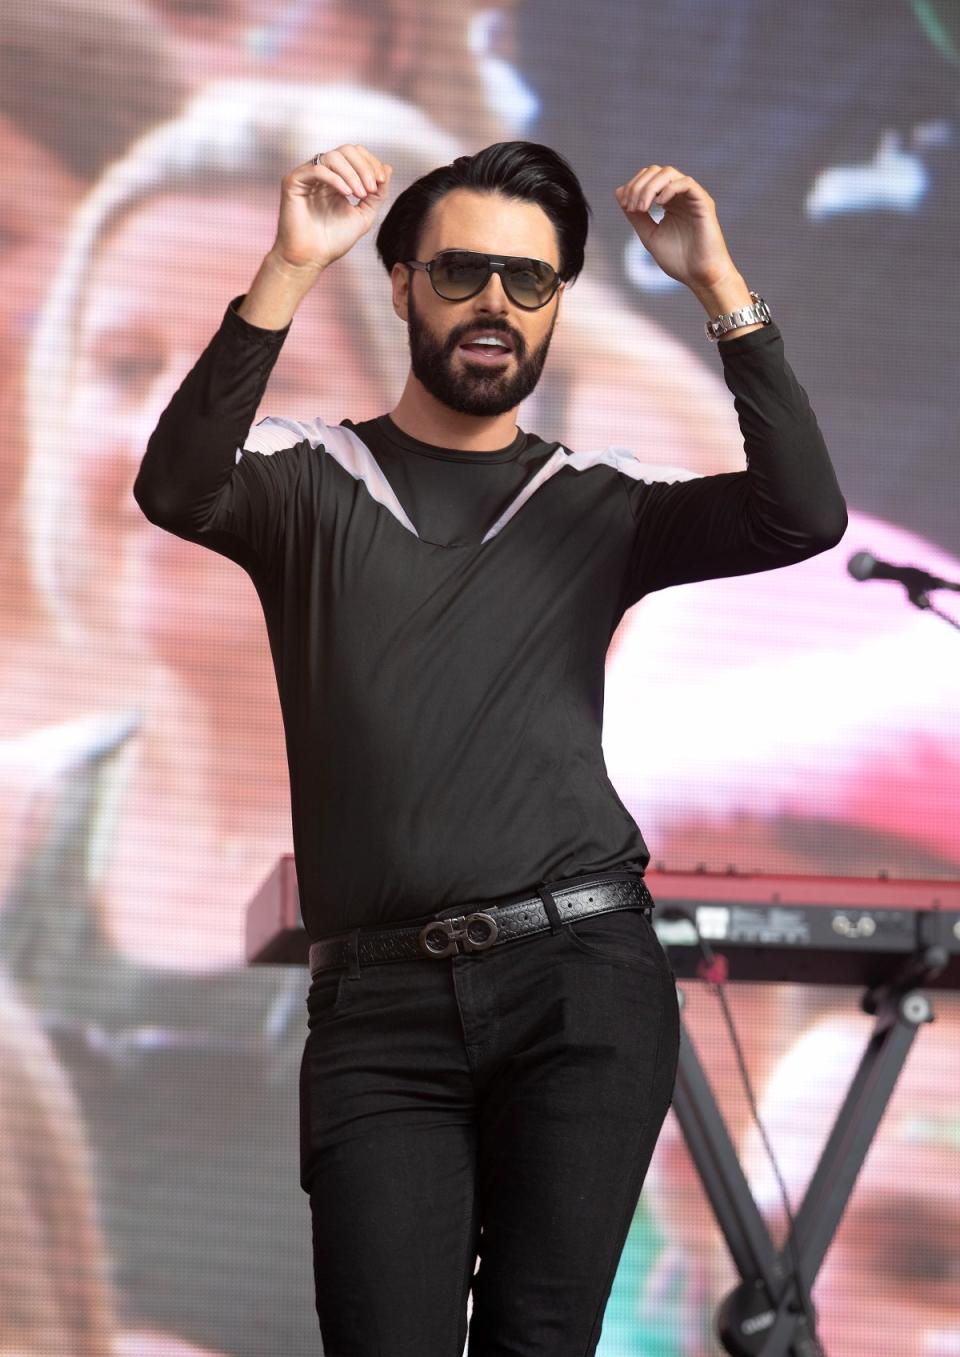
(756, 314)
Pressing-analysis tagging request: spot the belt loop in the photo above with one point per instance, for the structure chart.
(550, 905)
(648, 904)
(353, 954)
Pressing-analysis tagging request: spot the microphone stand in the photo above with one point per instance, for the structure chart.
(920, 599)
(917, 583)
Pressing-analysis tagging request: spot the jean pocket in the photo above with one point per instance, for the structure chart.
(326, 996)
(624, 937)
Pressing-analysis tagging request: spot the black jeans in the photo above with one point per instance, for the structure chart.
(502, 1104)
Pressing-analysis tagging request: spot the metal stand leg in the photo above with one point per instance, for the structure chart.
(762, 1317)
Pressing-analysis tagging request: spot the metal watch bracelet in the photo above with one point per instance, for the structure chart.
(756, 314)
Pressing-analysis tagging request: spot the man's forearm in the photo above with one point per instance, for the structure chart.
(276, 292)
(191, 453)
(786, 506)
(794, 497)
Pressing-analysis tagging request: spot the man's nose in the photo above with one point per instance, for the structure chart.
(492, 297)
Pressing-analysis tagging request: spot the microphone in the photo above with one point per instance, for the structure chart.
(863, 567)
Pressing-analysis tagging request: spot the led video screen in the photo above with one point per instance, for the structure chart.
(796, 721)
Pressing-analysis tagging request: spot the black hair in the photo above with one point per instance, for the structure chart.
(524, 170)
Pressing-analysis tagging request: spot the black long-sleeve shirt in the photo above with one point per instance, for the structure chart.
(439, 620)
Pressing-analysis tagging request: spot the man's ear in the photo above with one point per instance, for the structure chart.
(400, 283)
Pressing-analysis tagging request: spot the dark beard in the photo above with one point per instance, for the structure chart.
(478, 390)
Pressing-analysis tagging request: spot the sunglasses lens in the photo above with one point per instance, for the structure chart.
(458, 274)
(529, 282)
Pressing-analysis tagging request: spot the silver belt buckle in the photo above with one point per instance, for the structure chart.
(443, 937)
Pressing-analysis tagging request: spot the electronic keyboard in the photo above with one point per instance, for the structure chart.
(796, 929)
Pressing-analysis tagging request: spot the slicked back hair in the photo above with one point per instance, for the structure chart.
(524, 170)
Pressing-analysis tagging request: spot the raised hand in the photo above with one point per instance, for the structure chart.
(318, 223)
(687, 242)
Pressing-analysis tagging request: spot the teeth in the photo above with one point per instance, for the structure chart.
(497, 343)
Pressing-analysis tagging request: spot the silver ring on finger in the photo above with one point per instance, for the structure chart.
(316, 158)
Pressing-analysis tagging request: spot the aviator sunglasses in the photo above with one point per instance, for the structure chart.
(456, 275)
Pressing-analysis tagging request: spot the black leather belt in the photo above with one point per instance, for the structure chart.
(476, 930)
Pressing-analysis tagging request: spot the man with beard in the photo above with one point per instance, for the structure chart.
(493, 1026)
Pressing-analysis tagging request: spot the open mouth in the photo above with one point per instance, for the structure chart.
(487, 349)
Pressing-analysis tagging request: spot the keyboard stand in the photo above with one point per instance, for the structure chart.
(762, 1316)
